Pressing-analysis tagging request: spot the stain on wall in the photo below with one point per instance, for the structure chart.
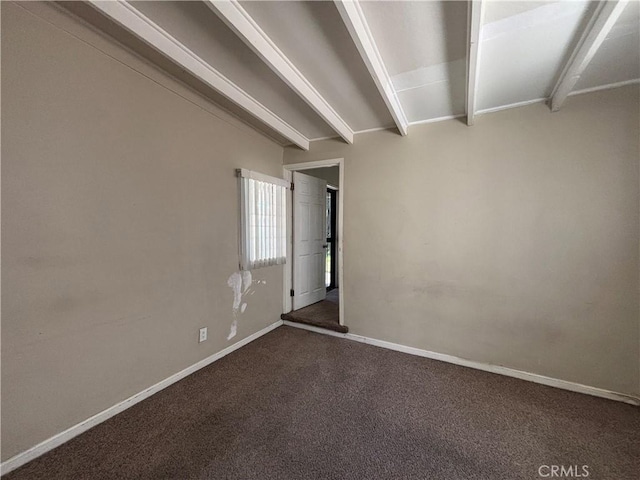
(241, 283)
(119, 225)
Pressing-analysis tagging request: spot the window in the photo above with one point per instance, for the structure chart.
(263, 228)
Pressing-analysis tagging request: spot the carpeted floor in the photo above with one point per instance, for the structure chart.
(333, 296)
(324, 314)
(300, 405)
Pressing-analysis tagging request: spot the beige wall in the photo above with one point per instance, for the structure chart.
(119, 226)
(514, 242)
(330, 174)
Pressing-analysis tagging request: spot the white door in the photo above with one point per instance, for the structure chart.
(309, 239)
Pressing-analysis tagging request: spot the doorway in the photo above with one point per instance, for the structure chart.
(331, 261)
(314, 244)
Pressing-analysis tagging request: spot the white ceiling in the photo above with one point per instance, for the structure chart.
(200, 30)
(324, 53)
(423, 46)
(522, 54)
(411, 56)
(618, 59)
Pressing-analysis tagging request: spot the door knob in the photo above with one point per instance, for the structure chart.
(325, 245)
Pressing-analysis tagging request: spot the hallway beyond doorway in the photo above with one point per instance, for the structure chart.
(323, 314)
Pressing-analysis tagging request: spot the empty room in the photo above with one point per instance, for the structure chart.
(320, 240)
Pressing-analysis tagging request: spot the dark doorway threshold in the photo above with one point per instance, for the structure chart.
(324, 314)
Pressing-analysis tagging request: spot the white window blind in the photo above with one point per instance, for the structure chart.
(263, 227)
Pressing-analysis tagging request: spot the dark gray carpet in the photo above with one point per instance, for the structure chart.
(333, 296)
(324, 314)
(300, 405)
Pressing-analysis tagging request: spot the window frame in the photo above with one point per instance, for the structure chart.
(262, 199)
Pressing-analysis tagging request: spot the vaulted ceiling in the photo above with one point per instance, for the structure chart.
(301, 71)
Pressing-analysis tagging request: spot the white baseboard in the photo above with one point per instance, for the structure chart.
(62, 437)
(509, 372)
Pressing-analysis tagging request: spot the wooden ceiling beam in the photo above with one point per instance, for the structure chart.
(604, 17)
(237, 18)
(353, 17)
(152, 34)
(474, 21)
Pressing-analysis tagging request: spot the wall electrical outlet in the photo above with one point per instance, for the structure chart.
(203, 335)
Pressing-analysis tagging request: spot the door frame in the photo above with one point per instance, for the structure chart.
(333, 192)
(288, 270)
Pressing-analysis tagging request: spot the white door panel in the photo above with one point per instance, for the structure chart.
(309, 239)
